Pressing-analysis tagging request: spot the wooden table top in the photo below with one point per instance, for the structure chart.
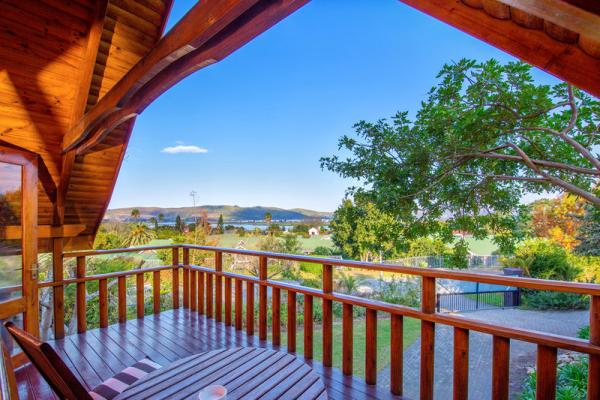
(246, 372)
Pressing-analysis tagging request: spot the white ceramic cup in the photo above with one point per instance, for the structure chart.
(213, 392)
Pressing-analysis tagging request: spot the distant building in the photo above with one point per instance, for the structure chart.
(313, 231)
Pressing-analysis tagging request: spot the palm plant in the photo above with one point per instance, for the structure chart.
(138, 235)
(348, 283)
(135, 213)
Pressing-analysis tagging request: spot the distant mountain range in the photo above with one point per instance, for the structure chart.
(230, 213)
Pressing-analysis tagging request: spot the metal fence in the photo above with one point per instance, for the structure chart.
(473, 301)
(474, 261)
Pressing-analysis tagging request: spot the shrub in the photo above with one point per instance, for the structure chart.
(571, 382)
(544, 259)
(584, 333)
(397, 292)
(322, 251)
(544, 300)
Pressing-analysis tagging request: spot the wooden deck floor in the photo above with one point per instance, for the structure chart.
(98, 354)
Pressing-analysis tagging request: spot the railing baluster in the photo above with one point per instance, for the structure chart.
(308, 327)
(545, 381)
(239, 289)
(209, 295)
(427, 338)
(347, 338)
(193, 294)
(228, 301)
(156, 291)
(81, 296)
(122, 298)
(218, 286)
(461, 364)
(139, 294)
(594, 360)
(262, 299)
(58, 292)
(327, 316)
(500, 362)
(103, 300)
(201, 292)
(186, 277)
(291, 333)
(396, 353)
(371, 347)
(249, 308)
(175, 280)
(276, 319)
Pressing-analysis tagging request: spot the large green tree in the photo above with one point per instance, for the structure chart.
(486, 135)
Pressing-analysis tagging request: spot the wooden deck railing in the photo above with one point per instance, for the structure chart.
(218, 294)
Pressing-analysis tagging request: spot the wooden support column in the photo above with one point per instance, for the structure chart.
(500, 363)
(175, 262)
(239, 289)
(218, 286)
(193, 293)
(327, 316)
(594, 362)
(156, 291)
(545, 382)
(291, 333)
(262, 299)
(428, 299)
(103, 300)
(81, 296)
(58, 292)
(249, 308)
(209, 295)
(228, 294)
(201, 292)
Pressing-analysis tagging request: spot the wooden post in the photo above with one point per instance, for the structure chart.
(291, 333)
(228, 301)
(461, 364)
(81, 296)
(500, 363)
(193, 294)
(327, 316)
(201, 292)
(396, 353)
(156, 291)
(594, 361)
(238, 304)
(347, 339)
(209, 295)
(186, 277)
(371, 347)
(262, 299)
(545, 382)
(103, 300)
(276, 311)
(139, 294)
(249, 308)
(58, 292)
(218, 286)
(308, 327)
(122, 298)
(175, 262)
(428, 299)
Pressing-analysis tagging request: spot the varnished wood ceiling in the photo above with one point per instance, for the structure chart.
(75, 73)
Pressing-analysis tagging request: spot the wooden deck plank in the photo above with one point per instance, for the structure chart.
(168, 337)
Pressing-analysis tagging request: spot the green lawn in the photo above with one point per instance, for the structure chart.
(494, 299)
(483, 247)
(411, 333)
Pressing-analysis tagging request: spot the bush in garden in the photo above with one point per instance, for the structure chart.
(545, 300)
(544, 259)
(396, 291)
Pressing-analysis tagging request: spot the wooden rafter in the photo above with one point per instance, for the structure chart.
(161, 69)
(43, 231)
(529, 30)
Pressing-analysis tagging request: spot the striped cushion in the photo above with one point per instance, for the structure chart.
(110, 388)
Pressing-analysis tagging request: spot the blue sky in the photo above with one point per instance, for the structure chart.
(256, 124)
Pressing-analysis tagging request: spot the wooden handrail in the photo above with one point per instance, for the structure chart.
(203, 292)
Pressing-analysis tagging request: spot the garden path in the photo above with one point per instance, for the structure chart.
(522, 354)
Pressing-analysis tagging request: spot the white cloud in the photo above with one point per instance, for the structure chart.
(181, 148)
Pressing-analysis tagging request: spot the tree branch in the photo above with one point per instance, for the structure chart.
(540, 163)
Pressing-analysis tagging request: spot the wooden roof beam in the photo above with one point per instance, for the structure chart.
(258, 19)
(542, 44)
(206, 19)
(43, 231)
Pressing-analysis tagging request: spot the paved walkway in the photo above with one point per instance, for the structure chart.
(522, 354)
